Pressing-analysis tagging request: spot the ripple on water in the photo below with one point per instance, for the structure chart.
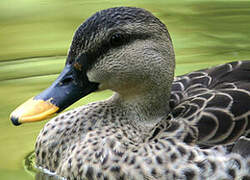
(38, 173)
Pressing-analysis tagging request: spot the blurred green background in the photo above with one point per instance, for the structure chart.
(35, 36)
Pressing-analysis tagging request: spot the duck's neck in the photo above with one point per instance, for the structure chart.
(146, 108)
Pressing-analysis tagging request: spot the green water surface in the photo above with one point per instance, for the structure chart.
(35, 36)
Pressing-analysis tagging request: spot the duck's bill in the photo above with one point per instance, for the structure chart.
(33, 110)
(61, 94)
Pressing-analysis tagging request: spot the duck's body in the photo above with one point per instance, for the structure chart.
(114, 151)
(148, 129)
(100, 140)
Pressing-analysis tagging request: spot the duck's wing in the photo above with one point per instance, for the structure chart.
(216, 100)
(242, 146)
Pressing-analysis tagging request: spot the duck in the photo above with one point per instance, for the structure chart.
(155, 125)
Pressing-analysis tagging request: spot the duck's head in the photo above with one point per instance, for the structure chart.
(125, 49)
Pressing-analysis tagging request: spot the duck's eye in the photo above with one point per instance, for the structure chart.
(117, 39)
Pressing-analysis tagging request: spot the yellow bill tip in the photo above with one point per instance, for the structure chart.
(33, 110)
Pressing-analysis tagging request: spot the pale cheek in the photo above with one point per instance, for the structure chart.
(102, 87)
(94, 76)
(101, 77)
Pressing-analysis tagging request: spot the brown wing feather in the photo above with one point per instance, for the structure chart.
(216, 101)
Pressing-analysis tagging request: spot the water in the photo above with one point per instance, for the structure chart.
(35, 36)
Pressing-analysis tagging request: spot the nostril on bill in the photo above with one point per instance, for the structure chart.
(66, 81)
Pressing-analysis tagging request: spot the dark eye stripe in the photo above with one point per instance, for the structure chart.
(87, 59)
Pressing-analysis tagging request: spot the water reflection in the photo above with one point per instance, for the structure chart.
(38, 173)
(45, 176)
